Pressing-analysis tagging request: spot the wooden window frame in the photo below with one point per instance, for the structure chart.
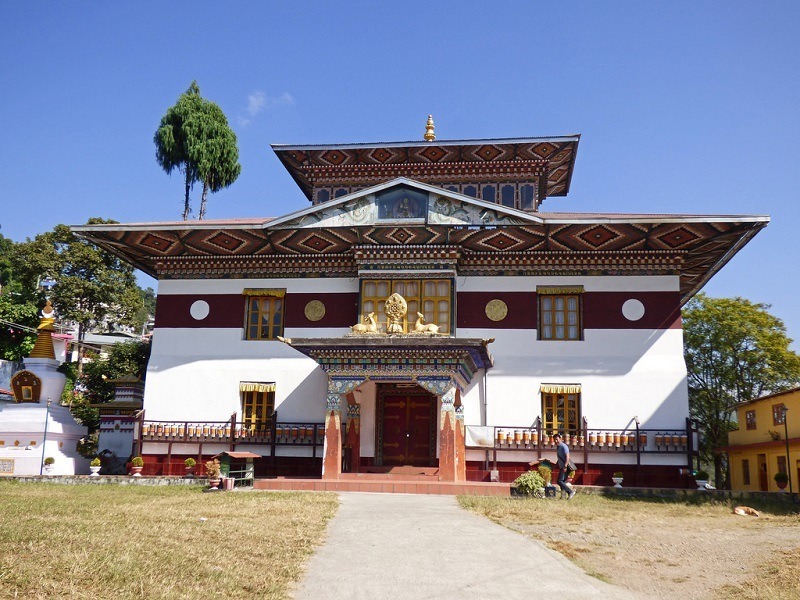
(750, 420)
(777, 414)
(542, 310)
(420, 299)
(257, 409)
(262, 305)
(570, 418)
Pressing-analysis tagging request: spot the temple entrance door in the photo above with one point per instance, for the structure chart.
(406, 426)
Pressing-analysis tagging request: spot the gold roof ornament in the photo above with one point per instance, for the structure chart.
(43, 348)
(429, 135)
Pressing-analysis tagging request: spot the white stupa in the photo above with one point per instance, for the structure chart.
(36, 426)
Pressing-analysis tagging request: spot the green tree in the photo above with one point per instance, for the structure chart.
(93, 289)
(735, 351)
(194, 138)
(18, 307)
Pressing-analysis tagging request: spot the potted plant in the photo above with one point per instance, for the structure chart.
(48, 464)
(94, 467)
(530, 483)
(137, 463)
(213, 468)
(781, 480)
(701, 478)
(190, 464)
(616, 477)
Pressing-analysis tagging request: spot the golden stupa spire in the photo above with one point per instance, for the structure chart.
(43, 348)
(429, 135)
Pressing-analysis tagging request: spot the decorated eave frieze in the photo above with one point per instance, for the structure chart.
(382, 357)
(413, 257)
(546, 161)
(571, 263)
(260, 266)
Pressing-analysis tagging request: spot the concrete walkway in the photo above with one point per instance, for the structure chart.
(416, 546)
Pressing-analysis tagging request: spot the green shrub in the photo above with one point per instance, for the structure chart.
(137, 461)
(190, 462)
(49, 460)
(530, 483)
(781, 478)
(95, 462)
(701, 475)
(546, 473)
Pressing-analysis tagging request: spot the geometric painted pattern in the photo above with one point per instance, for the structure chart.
(545, 161)
(644, 244)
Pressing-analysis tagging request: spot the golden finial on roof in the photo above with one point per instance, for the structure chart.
(429, 135)
(43, 348)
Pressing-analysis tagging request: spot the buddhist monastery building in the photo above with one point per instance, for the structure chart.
(425, 313)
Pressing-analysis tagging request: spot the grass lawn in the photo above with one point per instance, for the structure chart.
(662, 548)
(108, 541)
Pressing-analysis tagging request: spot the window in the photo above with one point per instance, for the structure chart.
(264, 314)
(560, 311)
(258, 404)
(777, 414)
(750, 419)
(782, 464)
(561, 408)
(431, 297)
(746, 472)
(401, 202)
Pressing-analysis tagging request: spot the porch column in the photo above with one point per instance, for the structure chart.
(446, 389)
(461, 450)
(353, 436)
(332, 452)
(447, 437)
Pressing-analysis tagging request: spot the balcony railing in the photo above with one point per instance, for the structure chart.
(632, 440)
(271, 433)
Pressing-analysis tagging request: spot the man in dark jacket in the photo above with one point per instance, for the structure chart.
(562, 451)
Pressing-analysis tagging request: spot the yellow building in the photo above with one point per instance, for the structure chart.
(757, 448)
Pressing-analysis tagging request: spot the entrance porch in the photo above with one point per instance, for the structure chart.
(418, 416)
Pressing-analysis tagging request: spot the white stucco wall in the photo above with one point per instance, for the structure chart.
(194, 373)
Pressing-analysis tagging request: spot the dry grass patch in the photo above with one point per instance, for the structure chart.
(663, 549)
(154, 542)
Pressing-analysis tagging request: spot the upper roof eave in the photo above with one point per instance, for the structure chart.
(555, 139)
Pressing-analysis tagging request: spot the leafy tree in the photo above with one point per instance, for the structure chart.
(125, 358)
(735, 351)
(94, 385)
(18, 307)
(93, 289)
(194, 138)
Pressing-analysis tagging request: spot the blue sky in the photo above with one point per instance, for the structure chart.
(684, 107)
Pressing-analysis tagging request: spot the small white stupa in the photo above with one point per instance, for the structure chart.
(36, 427)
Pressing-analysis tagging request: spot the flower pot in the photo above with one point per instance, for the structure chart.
(214, 483)
(95, 471)
(781, 484)
(48, 469)
(136, 471)
(701, 484)
(617, 482)
(190, 472)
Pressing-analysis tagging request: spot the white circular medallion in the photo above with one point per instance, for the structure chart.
(199, 310)
(633, 310)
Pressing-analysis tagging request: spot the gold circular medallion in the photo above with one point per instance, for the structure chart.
(315, 310)
(496, 310)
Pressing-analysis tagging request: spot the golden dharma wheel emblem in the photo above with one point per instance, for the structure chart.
(396, 310)
(496, 310)
(314, 310)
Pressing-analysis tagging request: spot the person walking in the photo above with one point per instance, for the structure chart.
(562, 451)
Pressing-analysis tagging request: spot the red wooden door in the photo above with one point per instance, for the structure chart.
(407, 430)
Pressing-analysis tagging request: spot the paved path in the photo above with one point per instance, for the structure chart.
(420, 546)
